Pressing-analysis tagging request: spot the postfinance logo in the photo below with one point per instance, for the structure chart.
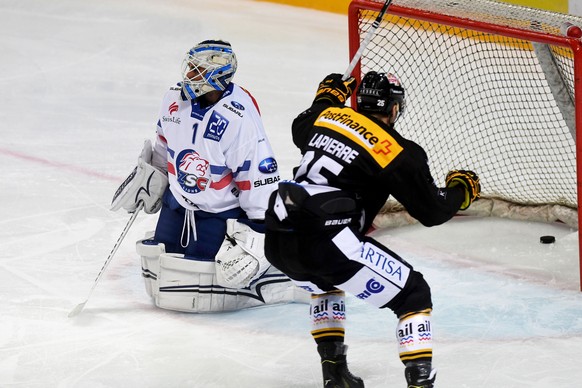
(363, 131)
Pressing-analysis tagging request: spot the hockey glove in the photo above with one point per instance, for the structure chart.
(469, 181)
(334, 89)
(145, 184)
(241, 257)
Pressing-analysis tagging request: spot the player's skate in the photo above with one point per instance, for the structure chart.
(419, 374)
(335, 367)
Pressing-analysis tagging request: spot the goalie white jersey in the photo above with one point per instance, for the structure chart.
(218, 157)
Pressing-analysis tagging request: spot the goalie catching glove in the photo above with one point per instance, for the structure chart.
(241, 258)
(145, 184)
(334, 89)
(469, 181)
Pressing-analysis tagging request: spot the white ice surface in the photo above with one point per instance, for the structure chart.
(80, 87)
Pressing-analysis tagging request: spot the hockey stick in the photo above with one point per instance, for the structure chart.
(80, 306)
(366, 40)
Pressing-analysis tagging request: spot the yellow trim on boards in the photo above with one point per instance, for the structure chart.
(336, 6)
(554, 5)
(341, 6)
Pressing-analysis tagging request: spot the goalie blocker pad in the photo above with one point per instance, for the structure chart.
(179, 284)
(145, 184)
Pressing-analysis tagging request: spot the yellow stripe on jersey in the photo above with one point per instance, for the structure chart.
(363, 131)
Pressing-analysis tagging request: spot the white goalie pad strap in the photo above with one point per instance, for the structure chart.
(145, 183)
(182, 268)
(241, 257)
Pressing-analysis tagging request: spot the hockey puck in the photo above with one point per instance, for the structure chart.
(547, 239)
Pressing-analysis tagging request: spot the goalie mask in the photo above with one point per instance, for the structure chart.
(208, 66)
(378, 92)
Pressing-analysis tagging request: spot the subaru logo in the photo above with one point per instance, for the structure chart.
(237, 105)
(268, 166)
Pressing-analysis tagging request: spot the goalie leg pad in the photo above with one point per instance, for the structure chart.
(150, 252)
(191, 286)
(179, 279)
(276, 288)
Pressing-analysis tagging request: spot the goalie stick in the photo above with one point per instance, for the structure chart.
(77, 310)
(366, 40)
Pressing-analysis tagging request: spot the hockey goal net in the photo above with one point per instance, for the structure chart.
(490, 87)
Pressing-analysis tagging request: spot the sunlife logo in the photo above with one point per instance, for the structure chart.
(173, 108)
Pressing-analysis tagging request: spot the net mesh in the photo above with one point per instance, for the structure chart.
(481, 101)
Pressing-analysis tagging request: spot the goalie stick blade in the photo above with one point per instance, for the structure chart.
(77, 310)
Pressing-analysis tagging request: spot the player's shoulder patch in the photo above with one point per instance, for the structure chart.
(250, 97)
(362, 131)
(233, 106)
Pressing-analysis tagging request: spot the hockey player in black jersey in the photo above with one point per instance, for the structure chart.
(316, 224)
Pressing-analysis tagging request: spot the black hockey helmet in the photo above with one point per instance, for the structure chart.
(378, 92)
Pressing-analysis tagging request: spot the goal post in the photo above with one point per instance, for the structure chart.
(491, 87)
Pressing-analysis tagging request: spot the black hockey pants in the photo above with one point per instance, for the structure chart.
(316, 239)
